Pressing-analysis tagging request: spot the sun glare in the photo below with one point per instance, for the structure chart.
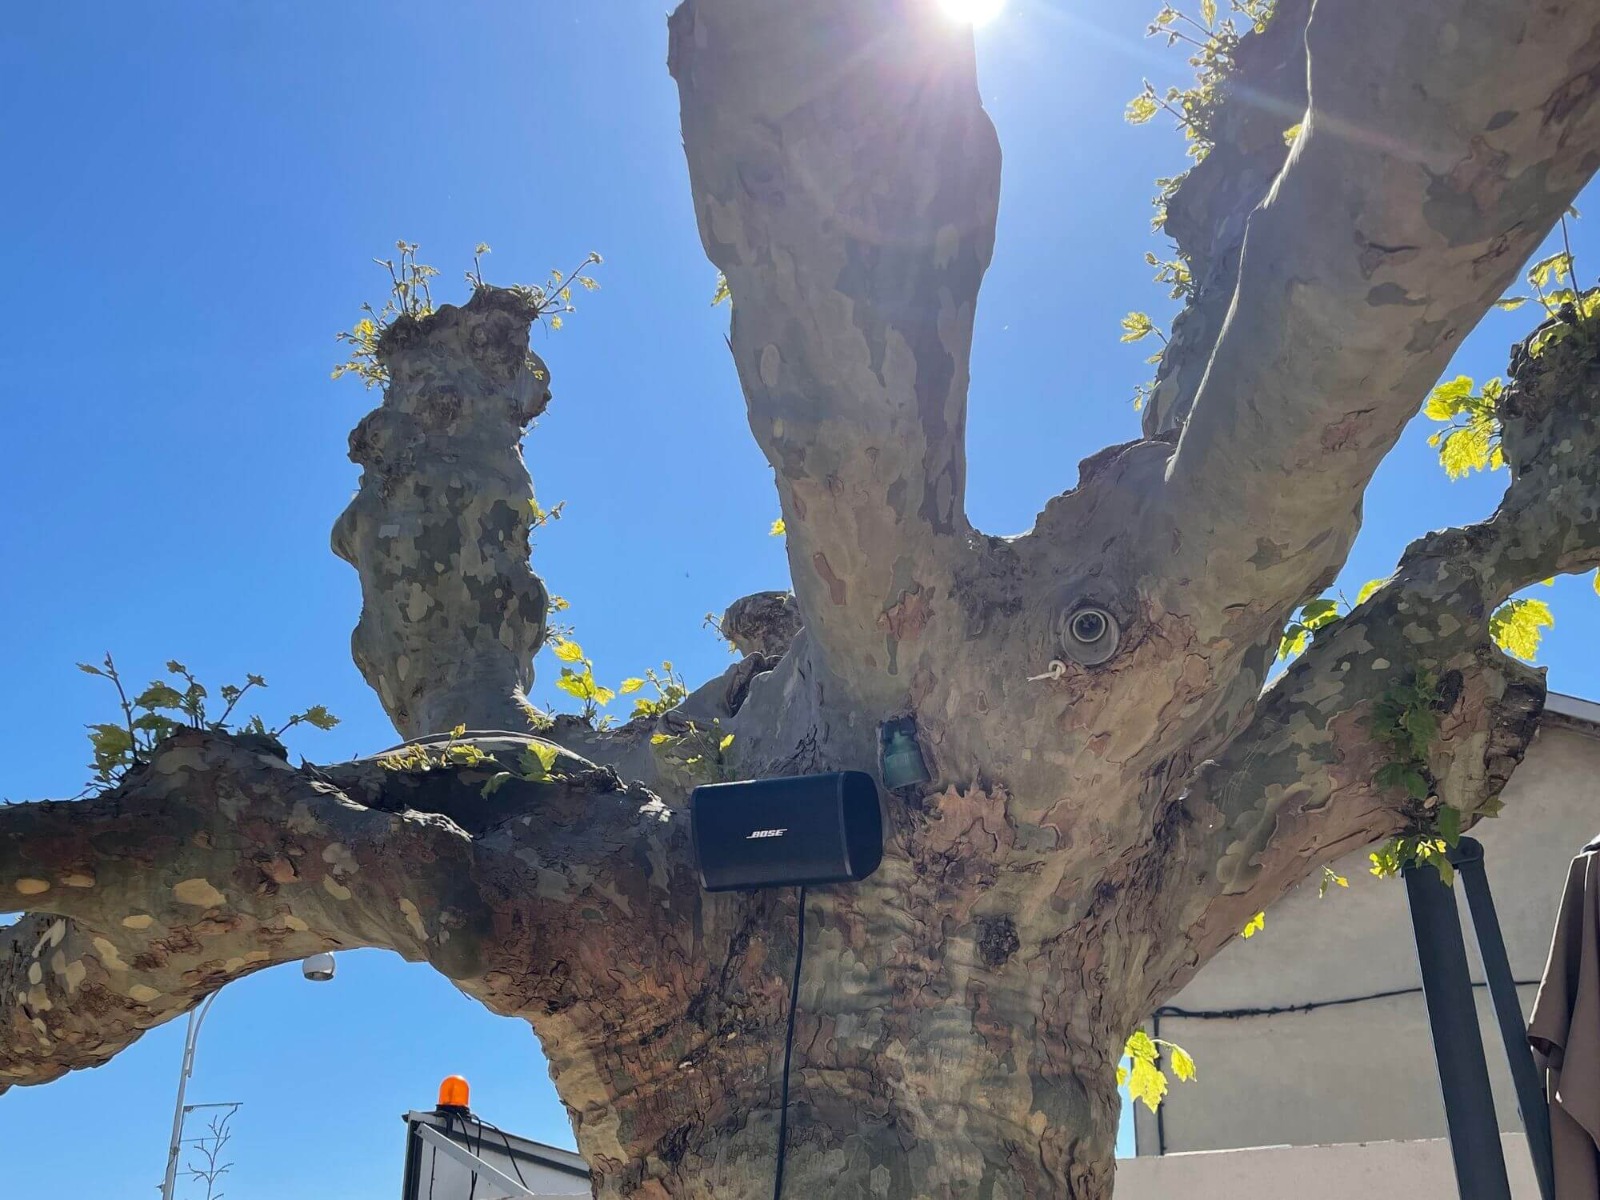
(972, 12)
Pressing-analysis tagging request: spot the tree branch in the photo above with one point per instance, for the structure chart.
(1439, 148)
(452, 615)
(1297, 787)
(217, 859)
(846, 182)
(1263, 95)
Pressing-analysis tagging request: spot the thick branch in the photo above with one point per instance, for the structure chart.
(452, 615)
(846, 182)
(1262, 95)
(1296, 787)
(1440, 146)
(218, 859)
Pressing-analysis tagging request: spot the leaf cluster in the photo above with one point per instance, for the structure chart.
(1405, 721)
(1145, 1080)
(669, 687)
(1318, 614)
(166, 706)
(419, 757)
(411, 298)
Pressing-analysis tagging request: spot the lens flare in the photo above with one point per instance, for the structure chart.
(972, 12)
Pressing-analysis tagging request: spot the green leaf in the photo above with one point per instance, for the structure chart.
(1390, 775)
(1517, 626)
(1136, 326)
(721, 294)
(1147, 1084)
(725, 743)
(1470, 448)
(1449, 822)
(659, 739)
(1319, 612)
(1182, 1062)
(159, 695)
(1208, 12)
(1295, 639)
(495, 782)
(110, 741)
(1141, 108)
(778, 528)
(88, 670)
(629, 686)
(1139, 1047)
(581, 686)
(1446, 400)
(1254, 925)
(1368, 588)
(318, 717)
(1550, 270)
(567, 651)
(1510, 303)
(1292, 134)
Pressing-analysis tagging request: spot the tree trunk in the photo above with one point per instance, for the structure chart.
(1113, 791)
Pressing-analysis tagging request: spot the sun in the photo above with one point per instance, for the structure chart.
(972, 12)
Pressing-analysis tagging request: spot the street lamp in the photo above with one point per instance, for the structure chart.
(318, 968)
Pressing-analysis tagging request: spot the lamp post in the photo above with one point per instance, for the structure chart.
(319, 968)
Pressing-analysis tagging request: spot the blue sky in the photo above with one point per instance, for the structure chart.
(191, 198)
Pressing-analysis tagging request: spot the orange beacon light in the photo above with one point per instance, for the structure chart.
(454, 1094)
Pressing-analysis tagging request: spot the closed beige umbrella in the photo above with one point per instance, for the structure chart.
(1565, 1031)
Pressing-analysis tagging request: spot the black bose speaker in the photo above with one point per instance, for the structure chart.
(774, 832)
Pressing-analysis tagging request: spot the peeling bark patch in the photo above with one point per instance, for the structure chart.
(138, 921)
(1392, 293)
(31, 887)
(109, 955)
(413, 919)
(199, 893)
(836, 588)
(997, 940)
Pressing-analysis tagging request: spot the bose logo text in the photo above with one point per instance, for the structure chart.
(765, 833)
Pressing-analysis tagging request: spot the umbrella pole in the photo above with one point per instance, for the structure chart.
(1468, 860)
(1457, 1043)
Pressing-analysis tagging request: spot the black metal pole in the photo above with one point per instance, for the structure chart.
(1531, 1102)
(1457, 1041)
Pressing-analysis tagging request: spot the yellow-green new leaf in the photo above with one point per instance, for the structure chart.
(1147, 1084)
(1517, 626)
(1446, 400)
(778, 528)
(1136, 326)
(1182, 1062)
(1254, 925)
(1141, 108)
(567, 651)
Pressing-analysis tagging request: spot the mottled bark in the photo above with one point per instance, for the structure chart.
(452, 614)
(1435, 156)
(1112, 791)
(1207, 212)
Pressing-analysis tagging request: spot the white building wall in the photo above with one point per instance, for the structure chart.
(1363, 1071)
(1373, 1171)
